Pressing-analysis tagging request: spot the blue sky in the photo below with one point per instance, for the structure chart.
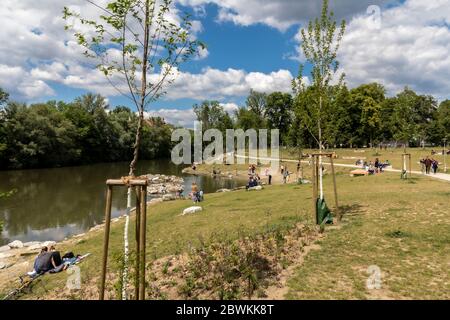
(252, 44)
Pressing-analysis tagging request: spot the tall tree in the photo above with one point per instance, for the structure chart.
(279, 113)
(320, 44)
(257, 102)
(213, 116)
(366, 100)
(412, 117)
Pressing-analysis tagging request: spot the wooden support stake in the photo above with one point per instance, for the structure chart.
(335, 190)
(142, 236)
(410, 166)
(137, 238)
(314, 181)
(106, 241)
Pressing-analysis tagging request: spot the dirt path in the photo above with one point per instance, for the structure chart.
(439, 176)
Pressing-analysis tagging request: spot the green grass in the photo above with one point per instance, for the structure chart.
(225, 216)
(402, 227)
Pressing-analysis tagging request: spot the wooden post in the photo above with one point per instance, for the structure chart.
(141, 211)
(137, 238)
(410, 166)
(142, 235)
(317, 175)
(335, 190)
(314, 181)
(106, 241)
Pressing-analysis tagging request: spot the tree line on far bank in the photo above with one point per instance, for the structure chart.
(85, 131)
(363, 116)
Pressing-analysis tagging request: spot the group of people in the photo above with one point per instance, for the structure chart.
(373, 167)
(50, 260)
(429, 164)
(254, 179)
(443, 152)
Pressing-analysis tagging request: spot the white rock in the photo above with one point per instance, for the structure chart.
(2, 265)
(5, 248)
(6, 255)
(16, 244)
(168, 197)
(157, 200)
(223, 190)
(257, 188)
(192, 210)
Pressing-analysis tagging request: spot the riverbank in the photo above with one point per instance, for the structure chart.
(402, 227)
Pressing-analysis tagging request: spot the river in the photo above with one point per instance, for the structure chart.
(52, 204)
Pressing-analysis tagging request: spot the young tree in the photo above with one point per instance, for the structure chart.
(138, 45)
(320, 44)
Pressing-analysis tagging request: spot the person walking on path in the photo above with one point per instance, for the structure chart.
(435, 166)
(428, 164)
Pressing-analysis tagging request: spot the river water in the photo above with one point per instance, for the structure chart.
(52, 204)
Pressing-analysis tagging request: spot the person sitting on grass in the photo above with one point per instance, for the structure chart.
(251, 183)
(46, 261)
(195, 193)
(371, 169)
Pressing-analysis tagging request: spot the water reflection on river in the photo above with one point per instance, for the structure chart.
(52, 204)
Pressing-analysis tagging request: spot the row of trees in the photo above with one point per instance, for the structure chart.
(84, 131)
(362, 116)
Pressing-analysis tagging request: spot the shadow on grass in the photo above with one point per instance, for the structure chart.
(351, 210)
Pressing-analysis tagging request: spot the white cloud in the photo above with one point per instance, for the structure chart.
(185, 117)
(217, 84)
(16, 78)
(230, 107)
(411, 48)
(177, 117)
(282, 14)
(35, 48)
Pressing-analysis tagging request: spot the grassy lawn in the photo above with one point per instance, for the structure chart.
(401, 227)
(225, 216)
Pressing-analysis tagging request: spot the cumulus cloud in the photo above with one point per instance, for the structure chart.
(35, 49)
(178, 117)
(218, 84)
(407, 45)
(230, 107)
(185, 117)
(411, 47)
(282, 14)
